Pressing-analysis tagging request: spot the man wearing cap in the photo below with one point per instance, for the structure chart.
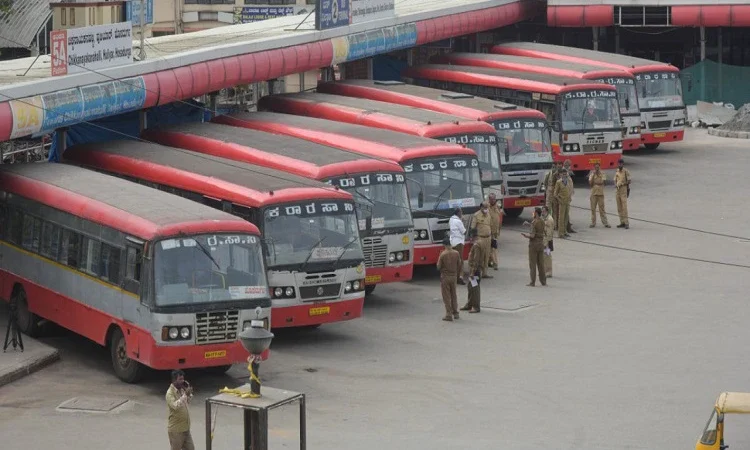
(549, 186)
(563, 193)
(549, 231)
(450, 266)
(474, 276)
(597, 179)
(482, 223)
(457, 235)
(622, 186)
(536, 248)
(497, 222)
(569, 173)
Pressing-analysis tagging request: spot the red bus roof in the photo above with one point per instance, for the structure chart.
(534, 65)
(375, 142)
(508, 79)
(583, 56)
(285, 153)
(238, 182)
(117, 203)
(462, 105)
(405, 119)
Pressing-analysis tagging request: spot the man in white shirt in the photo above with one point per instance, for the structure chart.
(458, 236)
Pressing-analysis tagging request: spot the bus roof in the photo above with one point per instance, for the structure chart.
(129, 207)
(508, 79)
(533, 65)
(286, 153)
(462, 105)
(405, 119)
(580, 55)
(375, 142)
(238, 182)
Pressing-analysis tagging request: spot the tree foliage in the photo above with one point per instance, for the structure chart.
(6, 6)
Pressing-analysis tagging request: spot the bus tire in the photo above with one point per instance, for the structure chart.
(28, 322)
(126, 369)
(369, 288)
(651, 146)
(513, 213)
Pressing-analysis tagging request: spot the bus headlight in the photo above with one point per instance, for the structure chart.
(278, 292)
(176, 333)
(173, 333)
(679, 122)
(635, 130)
(283, 291)
(185, 332)
(289, 291)
(392, 257)
(615, 145)
(567, 147)
(355, 285)
(420, 235)
(348, 287)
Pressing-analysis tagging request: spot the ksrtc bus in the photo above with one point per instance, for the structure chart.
(658, 85)
(440, 176)
(584, 115)
(162, 281)
(378, 186)
(310, 238)
(523, 133)
(623, 81)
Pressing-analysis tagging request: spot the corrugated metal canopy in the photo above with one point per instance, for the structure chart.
(19, 27)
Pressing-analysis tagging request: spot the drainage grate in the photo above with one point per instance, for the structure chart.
(92, 404)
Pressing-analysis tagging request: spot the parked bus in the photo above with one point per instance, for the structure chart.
(162, 281)
(310, 238)
(623, 81)
(439, 176)
(658, 86)
(523, 133)
(474, 134)
(378, 186)
(585, 116)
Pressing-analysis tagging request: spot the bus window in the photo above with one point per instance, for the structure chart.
(133, 264)
(70, 248)
(50, 240)
(32, 230)
(90, 256)
(15, 226)
(110, 264)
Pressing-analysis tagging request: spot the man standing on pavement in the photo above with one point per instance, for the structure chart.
(549, 186)
(458, 236)
(622, 186)
(562, 193)
(474, 276)
(450, 266)
(497, 222)
(536, 248)
(569, 173)
(482, 223)
(597, 179)
(549, 230)
(178, 398)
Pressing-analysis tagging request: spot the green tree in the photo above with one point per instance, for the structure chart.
(6, 6)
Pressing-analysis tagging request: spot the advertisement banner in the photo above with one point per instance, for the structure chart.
(59, 52)
(248, 14)
(367, 10)
(133, 11)
(384, 40)
(28, 115)
(99, 47)
(332, 14)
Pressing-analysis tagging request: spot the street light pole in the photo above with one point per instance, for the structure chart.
(142, 20)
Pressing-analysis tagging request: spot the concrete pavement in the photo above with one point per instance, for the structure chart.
(16, 364)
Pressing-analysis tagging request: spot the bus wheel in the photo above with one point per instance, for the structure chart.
(369, 289)
(126, 369)
(651, 146)
(27, 321)
(513, 213)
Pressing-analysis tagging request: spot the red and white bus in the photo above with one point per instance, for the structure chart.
(523, 133)
(439, 176)
(658, 86)
(311, 242)
(623, 81)
(378, 186)
(584, 115)
(162, 281)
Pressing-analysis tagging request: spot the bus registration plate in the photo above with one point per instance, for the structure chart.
(215, 354)
(658, 135)
(523, 202)
(320, 311)
(595, 161)
(369, 279)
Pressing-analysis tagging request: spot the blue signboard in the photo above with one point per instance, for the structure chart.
(383, 40)
(248, 14)
(332, 14)
(133, 11)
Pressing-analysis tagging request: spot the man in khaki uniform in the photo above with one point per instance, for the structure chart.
(569, 173)
(449, 264)
(482, 223)
(549, 186)
(536, 249)
(476, 259)
(497, 223)
(549, 231)
(597, 179)
(622, 186)
(178, 398)
(563, 194)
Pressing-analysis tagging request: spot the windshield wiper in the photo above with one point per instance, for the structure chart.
(309, 255)
(204, 250)
(372, 202)
(343, 252)
(440, 197)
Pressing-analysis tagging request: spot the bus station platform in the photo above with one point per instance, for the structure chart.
(15, 364)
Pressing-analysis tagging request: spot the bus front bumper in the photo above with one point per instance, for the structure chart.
(390, 274)
(427, 254)
(316, 313)
(579, 162)
(664, 136)
(522, 202)
(197, 356)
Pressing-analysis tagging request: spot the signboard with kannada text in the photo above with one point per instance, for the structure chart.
(367, 10)
(382, 40)
(91, 48)
(332, 14)
(249, 14)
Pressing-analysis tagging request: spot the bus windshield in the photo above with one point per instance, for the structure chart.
(660, 90)
(444, 183)
(311, 231)
(590, 111)
(209, 268)
(381, 200)
(527, 143)
(486, 148)
(626, 94)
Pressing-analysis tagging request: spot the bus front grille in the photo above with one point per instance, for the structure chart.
(320, 291)
(438, 235)
(375, 255)
(594, 148)
(216, 327)
(660, 124)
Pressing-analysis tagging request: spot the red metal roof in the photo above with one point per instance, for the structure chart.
(682, 15)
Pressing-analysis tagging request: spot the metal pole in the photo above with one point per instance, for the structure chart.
(142, 25)
(617, 40)
(703, 65)
(721, 60)
(302, 81)
(142, 120)
(254, 385)
(595, 31)
(302, 424)
(208, 425)
(62, 135)
(212, 104)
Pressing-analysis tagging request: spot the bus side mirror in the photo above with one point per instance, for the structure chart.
(420, 198)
